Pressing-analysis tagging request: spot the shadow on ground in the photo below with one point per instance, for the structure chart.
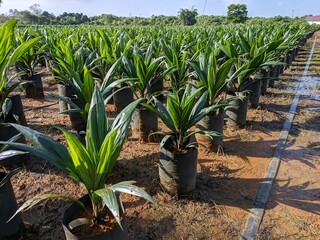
(297, 196)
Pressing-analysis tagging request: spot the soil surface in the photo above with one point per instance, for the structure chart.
(294, 205)
(227, 181)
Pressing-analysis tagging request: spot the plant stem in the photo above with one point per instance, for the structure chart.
(95, 211)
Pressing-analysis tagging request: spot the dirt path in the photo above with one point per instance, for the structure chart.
(293, 209)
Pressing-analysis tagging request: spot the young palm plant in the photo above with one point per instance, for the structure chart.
(176, 56)
(82, 85)
(251, 56)
(11, 109)
(28, 63)
(246, 66)
(8, 57)
(213, 79)
(109, 48)
(91, 163)
(178, 154)
(144, 72)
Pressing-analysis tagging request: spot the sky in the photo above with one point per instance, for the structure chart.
(146, 8)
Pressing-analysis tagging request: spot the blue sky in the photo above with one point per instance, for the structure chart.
(146, 8)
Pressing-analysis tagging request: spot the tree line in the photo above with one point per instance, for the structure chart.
(237, 13)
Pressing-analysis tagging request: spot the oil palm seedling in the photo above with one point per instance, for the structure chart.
(82, 87)
(9, 56)
(246, 85)
(178, 148)
(213, 79)
(177, 57)
(144, 72)
(108, 49)
(28, 63)
(75, 55)
(90, 164)
(11, 109)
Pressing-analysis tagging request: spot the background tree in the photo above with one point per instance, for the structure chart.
(47, 18)
(188, 17)
(35, 9)
(237, 13)
(72, 18)
(205, 20)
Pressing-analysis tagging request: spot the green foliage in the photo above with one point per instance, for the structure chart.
(29, 61)
(205, 20)
(9, 55)
(35, 15)
(176, 57)
(144, 71)
(188, 17)
(72, 18)
(182, 112)
(212, 78)
(82, 85)
(237, 13)
(253, 50)
(5, 154)
(89, 164)
(112, 20)
(85, 55)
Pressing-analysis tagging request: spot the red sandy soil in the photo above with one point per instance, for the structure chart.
(294, 206)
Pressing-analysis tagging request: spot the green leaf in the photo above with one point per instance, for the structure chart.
(112, 143)
(20, 50)
(110, 74)
(10, 153)
(110, 199)
(88, 85)
(46, 148)
(128, 187)
(81, 159)
(12, 139)
(97, 125)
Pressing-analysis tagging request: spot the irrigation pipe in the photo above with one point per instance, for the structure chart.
(256, 213)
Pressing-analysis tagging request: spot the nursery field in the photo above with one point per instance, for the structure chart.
(160, 133)
(227, 181)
